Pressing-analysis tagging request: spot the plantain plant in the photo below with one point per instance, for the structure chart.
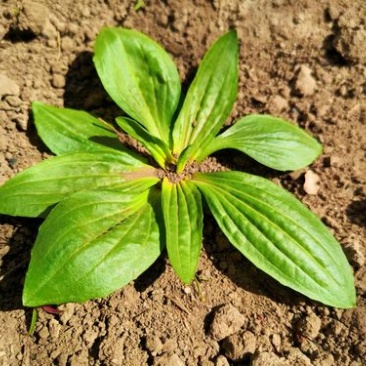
(110, 212)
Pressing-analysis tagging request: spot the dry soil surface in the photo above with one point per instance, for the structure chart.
(303, 60)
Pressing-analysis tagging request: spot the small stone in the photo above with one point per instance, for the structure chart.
(67, 44)
(296, 357)
(8, 87)
(276, 341)
(154, 345)
(333, 11)
(354, 252)
(187, 290)
(222, 361)
(22, 121)
(239, 346)
(54, 328)
(227, 320)
(324, 359)
(277, 104)
(180, 20)
(350, 43)
(13, 101)
(310, 326)
(305, 84)
(267, 359)
(67, 312)
(44, 333)
(58, 81)
(168, 360)
(33, 17)
(89, 337)
(311, 185)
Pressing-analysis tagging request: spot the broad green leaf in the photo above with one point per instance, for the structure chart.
(140, 77)
(271, 141)
(183, 218)
(157, 148)
(90, 245)
(279, 235)
(34, 191)
(210, 97)
(66, 130)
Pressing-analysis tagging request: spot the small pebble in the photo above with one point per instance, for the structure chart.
(227, 320)
(8, 86)
(187, 290)
(58, 81)
(239, 346)
(305, 83)
(311, 185)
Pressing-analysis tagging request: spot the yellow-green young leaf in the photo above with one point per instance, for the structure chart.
(66, 130)
(183, 218)
(158, 149)
(140, 77)
(34, 191)
(90, 245)
(271, 141)
(279, 235)
(210, 97)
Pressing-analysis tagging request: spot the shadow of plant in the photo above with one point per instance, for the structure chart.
(356, 212)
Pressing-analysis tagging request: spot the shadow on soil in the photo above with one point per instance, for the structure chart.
(244, 274)
(84, 90)
(15, 261)
(356, 212)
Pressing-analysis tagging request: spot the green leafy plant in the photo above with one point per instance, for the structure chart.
(109, 212)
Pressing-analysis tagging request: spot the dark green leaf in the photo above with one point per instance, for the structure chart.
(90, 245)
(32, 192)
(140, 77)
(183, 218)
(210, 97)
(271, 141)
(279, 235)
(66, 130)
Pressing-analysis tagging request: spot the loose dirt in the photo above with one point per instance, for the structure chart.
(304, 61)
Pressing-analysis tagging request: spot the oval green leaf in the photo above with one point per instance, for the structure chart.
(66, 130)
(271, 141)
(34, 191)
(279, 235)
(91, 245)
(140, 77)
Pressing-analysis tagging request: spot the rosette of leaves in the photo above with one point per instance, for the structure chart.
(109, 212)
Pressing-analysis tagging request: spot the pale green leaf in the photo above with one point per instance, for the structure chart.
(183, 218)
(210, 97)
(279, 235)
(90, 245)
(271, 141)
(140, 77)
(34, 191)
(66, 130)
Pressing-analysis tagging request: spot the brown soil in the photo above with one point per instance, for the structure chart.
(302, 60)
